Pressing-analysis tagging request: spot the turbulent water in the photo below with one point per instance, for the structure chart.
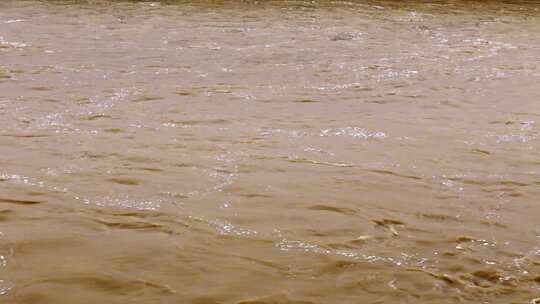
(269, 152)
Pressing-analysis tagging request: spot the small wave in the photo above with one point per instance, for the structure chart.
(355, 132)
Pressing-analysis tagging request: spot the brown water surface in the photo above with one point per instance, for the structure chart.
(269, 152)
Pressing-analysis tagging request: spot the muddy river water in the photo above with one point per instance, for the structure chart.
(269, 152)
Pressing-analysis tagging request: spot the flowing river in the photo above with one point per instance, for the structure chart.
(243, 152)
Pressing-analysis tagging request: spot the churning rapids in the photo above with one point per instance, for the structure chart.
(269, 152)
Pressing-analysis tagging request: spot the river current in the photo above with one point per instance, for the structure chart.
(243, 152)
